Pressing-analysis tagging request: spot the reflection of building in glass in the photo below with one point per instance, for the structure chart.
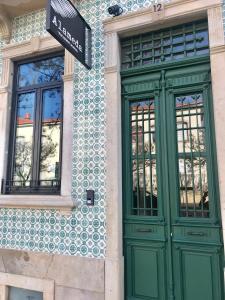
(143, 157)
(49, 154)
(191, 152)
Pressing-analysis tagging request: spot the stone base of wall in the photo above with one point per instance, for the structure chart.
(74, 277)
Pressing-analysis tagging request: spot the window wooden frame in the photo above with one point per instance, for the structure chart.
(38, 89)
(37, 46)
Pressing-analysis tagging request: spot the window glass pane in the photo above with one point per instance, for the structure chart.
(24, 139)
(180, 42)
(41, 71)
(202, 39)
(192, 162)
(22, 294)
(50, 136)
(144, 177)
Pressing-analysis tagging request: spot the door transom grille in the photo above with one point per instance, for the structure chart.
(183, 41)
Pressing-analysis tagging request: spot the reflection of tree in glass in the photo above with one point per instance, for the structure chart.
(52, 107)
(147, 163)
(23, 158)
(25, 105)
(196, 176)
(23, 161)
(48, 150)
(41, 71)
(48, 70)
(137, 141)
(143, 166)
(143, 148)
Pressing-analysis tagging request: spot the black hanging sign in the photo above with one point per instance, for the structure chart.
(69, 28)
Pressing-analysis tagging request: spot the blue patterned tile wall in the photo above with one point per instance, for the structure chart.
(82, 233)
(25, 27)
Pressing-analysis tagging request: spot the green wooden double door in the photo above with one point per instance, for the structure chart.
(173, 245)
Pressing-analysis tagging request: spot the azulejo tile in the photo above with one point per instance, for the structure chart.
(83, 233)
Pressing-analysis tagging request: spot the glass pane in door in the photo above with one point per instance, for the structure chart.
(192, 156)
(143, 149)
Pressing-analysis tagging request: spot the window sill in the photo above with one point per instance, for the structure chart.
(62, 203)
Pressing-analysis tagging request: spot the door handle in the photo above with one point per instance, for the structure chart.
(196, 233)
(144, 230)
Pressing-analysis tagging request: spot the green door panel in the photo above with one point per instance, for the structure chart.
(189, 76)
(141, 84)
(145, 269)
(197, 234)
(173, 245)
(154, 232)
(198, 271)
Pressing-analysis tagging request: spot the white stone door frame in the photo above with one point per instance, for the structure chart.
(177, 11)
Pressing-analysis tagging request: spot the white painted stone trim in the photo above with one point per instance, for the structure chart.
(5, 25)
(24, 282)
(175, 12)
(37, 46)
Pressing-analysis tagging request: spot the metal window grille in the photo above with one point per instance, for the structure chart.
(31, 187)
(183, 41)
(143, 149)
(192, 156)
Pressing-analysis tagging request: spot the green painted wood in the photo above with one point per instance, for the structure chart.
(192, 244)
(199, 269)
(197, 276)
(145, 263)
(145, 269)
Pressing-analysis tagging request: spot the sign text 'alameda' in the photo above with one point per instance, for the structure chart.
(69, 28)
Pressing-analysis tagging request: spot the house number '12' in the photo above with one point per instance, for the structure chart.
(157, 7)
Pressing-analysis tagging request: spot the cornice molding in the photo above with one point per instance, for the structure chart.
(68, 77)
(110, 70)
(217, 50)
(176, 8)
(4, 90)
(28, 48)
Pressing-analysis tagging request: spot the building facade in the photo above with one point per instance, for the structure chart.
(143, 129)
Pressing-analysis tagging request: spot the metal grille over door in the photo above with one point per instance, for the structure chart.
(192, 157)
(166, 45)
(144, 177)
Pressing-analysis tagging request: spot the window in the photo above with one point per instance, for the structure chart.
(182, 131)
(34, 164)
(18, 293)
(15, 287)
(162, 46)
